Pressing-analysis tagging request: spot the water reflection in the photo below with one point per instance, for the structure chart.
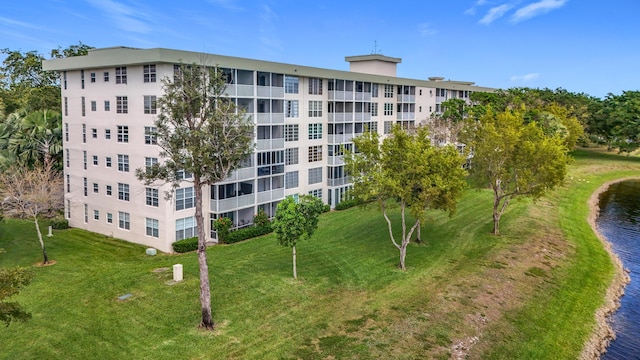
(619, 222)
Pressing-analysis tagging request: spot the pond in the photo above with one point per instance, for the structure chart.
(619, 222)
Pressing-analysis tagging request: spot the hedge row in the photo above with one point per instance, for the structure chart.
(185, 245)
(345, 204)
(248, 233)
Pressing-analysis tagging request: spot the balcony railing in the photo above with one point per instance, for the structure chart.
(234, 90)
(340, 117)
(338, 182)
(362, 116)
(366, 96)
(406, 98)
(270, 144)
(233, 203)
(339, 138)
(270, 195)
(335, 160)
(270, 91)
(406, 116)
(340, 95)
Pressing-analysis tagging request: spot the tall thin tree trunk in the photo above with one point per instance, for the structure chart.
(295, 271)
(44, 250)
(403, 255)
(205, 291)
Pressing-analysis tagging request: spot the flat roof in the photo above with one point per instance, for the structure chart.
(122, 56)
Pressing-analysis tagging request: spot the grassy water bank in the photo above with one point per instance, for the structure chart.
(530, 293)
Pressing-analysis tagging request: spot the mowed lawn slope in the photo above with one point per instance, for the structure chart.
(530, 293)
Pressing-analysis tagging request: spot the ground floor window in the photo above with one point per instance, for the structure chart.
(186, 228)
(152, 227)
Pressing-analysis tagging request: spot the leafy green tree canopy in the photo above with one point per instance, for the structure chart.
(12, 280)
(513, 158)
(405, 168)
(295, 220)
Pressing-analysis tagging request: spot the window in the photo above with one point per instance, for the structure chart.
(291, 156)
(124, 220)
(68, 183)
(186, 228)
(149, 162)
(185, 198)
(84, 159)
(315, 131)
(66, 106)
(291, 132)
(291, 84)
(388, 91)
(107, 134)
(95, 188)
(106, 76)
(93, 77)
(84, 185)
(315, 86)
(83, 105)
(82, 81)
(95, 160)
(64, 80)
(152, 197)
(123, 162)
(123, 191)
(107, 161)
(315, 153)
(86, 213)
(67, 157)
(109, 218)
(291, 180)
(374, 90)
(149, 73)
(107, 105)
(315, 108)
(374, 109)
(152, 227)
(181, 175)
(66, 131)
(317, 193)
(150, 136)
(108, 190)
(388, 109)
(84, 133)
(94, 105)
(149, 104)
(94, 133)
(315, 175)
(68, 209)
(123, 133)
(291, 108)
(121, 75)
(388, 125)
(122, 105)
(96, 215)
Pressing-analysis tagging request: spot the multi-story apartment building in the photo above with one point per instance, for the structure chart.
(304, 117)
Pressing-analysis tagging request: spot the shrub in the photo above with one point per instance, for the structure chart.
(248, 233)
(59, 223)
(185, 245)
(261, 218)
(222, 226)
(346, 204)
(326, 208)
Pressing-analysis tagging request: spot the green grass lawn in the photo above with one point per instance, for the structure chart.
(350, 302)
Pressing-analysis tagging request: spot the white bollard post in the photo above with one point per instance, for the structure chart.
(50, 234)
(177, 272)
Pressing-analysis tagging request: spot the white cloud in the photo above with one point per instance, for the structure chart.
(16, 23)
(125, 17)
(472, 10)
(495, 13)
(537, 8)
(524, 78)
(267, 26)
(426, 29)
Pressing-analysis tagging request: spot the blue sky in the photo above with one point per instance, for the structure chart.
(589, 46)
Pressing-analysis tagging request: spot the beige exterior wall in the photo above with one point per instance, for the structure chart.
(410, 109)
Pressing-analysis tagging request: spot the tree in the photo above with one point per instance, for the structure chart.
(12, 280)
(25, 85)
(408, 170)
(618, 121)
(444, 127)
(32, 194)
(202, 132)
(515, 159)
(295, 220)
